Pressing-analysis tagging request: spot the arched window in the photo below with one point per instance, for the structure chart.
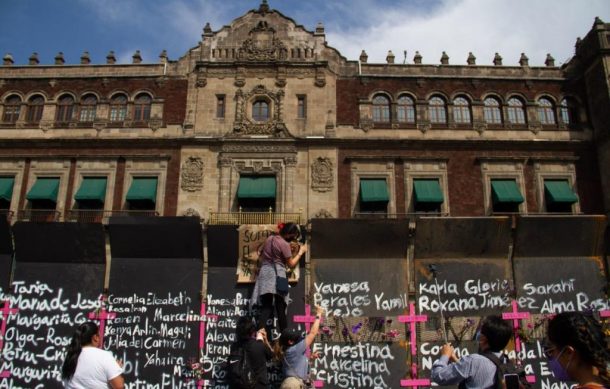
(141, 108)
(65, 108)
(568, 111)
(516, 113)
(260, 111)
(12, 108)
(437, 110)
(118, 108)
(546, 113)
(491, 111)
(381, 109)
(88, 106)
(405, 110)
(461, 110)
(35, 108)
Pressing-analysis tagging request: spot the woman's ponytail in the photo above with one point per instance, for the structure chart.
(82, 337)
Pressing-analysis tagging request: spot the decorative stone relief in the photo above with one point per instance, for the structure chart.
(480, 127)
(192, 174)
(45, 125)
(155, 123)
(423, 127)
(202, 79)
(244, 125)
(535, 127)
(366, 124)
(191, 212)
(322, 175)
(262, 45)
(323, 214)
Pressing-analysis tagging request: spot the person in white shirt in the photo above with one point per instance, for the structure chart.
(87, 366)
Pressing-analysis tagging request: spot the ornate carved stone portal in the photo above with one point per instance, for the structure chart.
(244, 123)
(192, 174)
(322, 175)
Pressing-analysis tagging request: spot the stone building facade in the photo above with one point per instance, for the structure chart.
(264, 114)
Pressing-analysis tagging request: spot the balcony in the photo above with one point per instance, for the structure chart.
(101, 216)
(379, 215)
(237, 218)
(38, 215)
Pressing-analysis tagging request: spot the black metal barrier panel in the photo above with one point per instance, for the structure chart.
(558, 264)
(359, 275)
(462, 273)
(58, 280)
(6, 255)
(154, 291)
(229, 301)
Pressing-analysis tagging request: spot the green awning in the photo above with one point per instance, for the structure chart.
(256, 188)
(6, 188)
(143, 188)
(427, 191)
(92, 188)
(373, 190)
(45, 188)
(559, 191)
(506, 191)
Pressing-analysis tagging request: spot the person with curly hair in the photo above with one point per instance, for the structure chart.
(578, 350)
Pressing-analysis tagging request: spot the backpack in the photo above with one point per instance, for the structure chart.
(503, 366)
(506, 366)
(241, 375)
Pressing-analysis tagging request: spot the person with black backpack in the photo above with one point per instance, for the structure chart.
(247, 363)
(485, 370)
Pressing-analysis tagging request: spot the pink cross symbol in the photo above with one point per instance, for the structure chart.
(604, 313)
(413, 319)
(102, 315)
(516, 317)
(6, 312)
(308, 319)
(204, 317)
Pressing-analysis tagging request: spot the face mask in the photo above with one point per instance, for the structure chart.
(559, 371)
(477, 336)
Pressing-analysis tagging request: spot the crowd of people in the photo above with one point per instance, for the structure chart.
(576, 347)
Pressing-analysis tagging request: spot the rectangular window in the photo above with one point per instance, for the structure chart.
(301, 106)
(505, 196)
(220, 106)
(374, 196)
(427, 195)
(559, 196)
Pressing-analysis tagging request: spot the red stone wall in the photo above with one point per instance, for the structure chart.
(465, 179)
(173, 91)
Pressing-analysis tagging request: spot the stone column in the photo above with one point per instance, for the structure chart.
(291, 170)
(224, 190)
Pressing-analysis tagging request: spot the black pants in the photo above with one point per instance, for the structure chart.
(267, 310)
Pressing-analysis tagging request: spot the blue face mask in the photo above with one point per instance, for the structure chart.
(477, 335)
(560, 372)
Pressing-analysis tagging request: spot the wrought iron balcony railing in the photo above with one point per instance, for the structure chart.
(217, 218)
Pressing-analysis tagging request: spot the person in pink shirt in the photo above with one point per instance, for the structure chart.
(276, 255)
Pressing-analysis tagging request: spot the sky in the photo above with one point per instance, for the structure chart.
(484, 27)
